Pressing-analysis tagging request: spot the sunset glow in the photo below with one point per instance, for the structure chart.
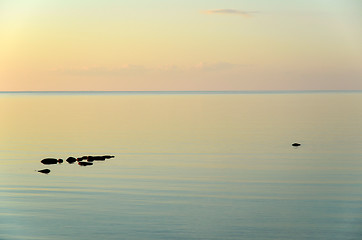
(180, 45)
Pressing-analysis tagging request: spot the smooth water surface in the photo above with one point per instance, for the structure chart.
(187, 166)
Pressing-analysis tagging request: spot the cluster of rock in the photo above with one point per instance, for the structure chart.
(88, 160)
(82, 161)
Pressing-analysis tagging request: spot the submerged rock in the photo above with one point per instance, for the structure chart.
(85, 163)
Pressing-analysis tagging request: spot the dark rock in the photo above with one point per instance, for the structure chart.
(46, 171)
(85, 163)
(71, 160)
(95, 158)
(296, 144)
(49, 161)
(82, 158)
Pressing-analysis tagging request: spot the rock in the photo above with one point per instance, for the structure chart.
(71, 160)
(85, 163)
(46, 171)
(48, 161)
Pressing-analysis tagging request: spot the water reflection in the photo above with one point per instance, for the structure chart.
(187, 167)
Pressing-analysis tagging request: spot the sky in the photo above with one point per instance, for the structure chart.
(189, 45)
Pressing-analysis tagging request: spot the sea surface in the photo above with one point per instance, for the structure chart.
(188, 165)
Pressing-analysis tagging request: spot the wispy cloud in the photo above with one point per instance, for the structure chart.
(231, 12)
(100, 70)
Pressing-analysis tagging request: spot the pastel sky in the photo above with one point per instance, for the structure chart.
(172, 45)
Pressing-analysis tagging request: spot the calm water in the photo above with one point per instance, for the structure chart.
(187, 166)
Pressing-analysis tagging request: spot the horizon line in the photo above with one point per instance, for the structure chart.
(185, 91)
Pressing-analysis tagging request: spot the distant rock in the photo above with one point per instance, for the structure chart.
(82, 158)
(296, 144)
(82, 161)
(46, 171)
(71, 160)
(48, 161)
(85, 163)
(95, 158)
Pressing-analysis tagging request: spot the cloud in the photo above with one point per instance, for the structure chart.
(98, 70)
(231, 12)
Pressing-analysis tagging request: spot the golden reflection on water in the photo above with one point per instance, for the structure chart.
(245, 130)
(192, 158)
(169, 123)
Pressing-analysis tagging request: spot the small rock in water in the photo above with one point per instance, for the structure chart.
(296, 144)
(82, 158)
(71, 160)
(49, 161)
(95, 158)
(85, 163)
(46, 171)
